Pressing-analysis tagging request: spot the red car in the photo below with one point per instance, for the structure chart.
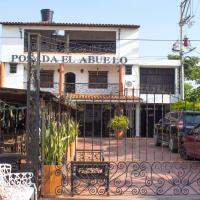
(190, 144)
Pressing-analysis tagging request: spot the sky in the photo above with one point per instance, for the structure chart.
(158, 18)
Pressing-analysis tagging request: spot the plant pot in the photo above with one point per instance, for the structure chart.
(119, 134)
(73, 147)
(52, 180)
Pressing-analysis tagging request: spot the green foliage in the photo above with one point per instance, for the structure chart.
(194, 95)
(57, 136)
(188, 88)
(195, 74)
(186, 105)
(191, 68)
(173, 57)
(118, 123)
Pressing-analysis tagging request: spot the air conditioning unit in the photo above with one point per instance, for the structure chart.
(129, 84)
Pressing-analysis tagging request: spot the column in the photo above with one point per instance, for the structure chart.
(120, 80)
(137, 119)
(2, 75)
(61, 79)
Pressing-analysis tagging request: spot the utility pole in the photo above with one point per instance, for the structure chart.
(33, 104)
(185, 18)
(181, 53)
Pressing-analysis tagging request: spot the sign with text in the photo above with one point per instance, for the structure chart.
(86, 172)
(72, 59)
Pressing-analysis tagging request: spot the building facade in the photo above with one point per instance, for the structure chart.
(90, 63)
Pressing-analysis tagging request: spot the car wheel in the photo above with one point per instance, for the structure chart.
(157, 142)
(172, 146)
(183, 152)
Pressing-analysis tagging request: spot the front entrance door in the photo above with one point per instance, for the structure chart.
(70, 79)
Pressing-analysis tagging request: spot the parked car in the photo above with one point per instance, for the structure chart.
(190, 144)
(173, 126)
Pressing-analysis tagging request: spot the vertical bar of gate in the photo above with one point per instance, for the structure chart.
(110, 113)
(170, 127)
(154, 120)
(92, 126)
(129, 122)
(133, 122)
(162, 125)
(76, 134)
(42, 150)
(117, 137)
(101, 150)
(140, 123)
(147, 130)
(84, 127)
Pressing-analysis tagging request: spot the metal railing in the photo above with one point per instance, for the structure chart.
(76, 47)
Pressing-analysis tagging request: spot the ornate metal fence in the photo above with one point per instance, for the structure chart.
(139, 163)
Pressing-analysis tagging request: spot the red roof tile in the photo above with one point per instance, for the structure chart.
(104, 97)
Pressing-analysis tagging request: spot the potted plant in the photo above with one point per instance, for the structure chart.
(72, 135)
(119, 124)
(58, 138)
(54, 149)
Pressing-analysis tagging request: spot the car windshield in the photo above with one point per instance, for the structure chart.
(192, 118)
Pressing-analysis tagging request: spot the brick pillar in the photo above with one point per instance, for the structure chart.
(61, 79)
(2, 75)
(120, 80)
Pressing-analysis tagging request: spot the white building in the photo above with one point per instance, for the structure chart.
(90, 62)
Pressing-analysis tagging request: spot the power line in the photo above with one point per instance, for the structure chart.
(133, 39)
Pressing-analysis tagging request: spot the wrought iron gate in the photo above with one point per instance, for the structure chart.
(138, 163)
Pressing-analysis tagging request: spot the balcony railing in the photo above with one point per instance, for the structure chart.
(83, 88)
(76, 47)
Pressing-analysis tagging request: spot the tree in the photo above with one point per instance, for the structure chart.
(191, 67)
(191, 72)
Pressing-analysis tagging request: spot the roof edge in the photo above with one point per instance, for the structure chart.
(70, 24)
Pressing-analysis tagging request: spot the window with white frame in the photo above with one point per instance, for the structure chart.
(98, 79)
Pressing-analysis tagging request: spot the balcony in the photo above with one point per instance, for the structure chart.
(75, 41)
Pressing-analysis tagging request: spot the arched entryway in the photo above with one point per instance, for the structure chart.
(70, 80)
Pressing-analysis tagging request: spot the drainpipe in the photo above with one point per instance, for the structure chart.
(2, 75)
(120, 81)
(61, 79)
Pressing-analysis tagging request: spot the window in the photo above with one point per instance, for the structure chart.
(46, 78)
(13, 68)
(157, 81)
(128, 70)
(98, 79)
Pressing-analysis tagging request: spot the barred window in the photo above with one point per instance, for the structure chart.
(157, 81)
(13, 68)
(46, 78)
(98, 79)
(128, 70)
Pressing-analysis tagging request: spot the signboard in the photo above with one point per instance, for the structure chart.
(87, 171)
(90, 59)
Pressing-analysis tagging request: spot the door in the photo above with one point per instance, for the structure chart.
(70, 80)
